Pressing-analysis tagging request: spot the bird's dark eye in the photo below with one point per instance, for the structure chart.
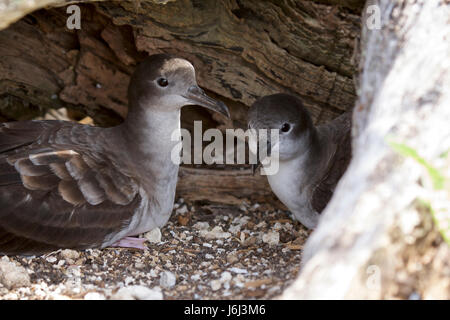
(162, 82)
(285, 127)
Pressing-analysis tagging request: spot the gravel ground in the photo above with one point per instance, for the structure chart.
(205, 252)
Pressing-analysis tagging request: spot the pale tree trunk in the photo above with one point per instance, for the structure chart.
(376, 238)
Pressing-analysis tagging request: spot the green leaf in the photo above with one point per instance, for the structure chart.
(444, 232)
(436, 177)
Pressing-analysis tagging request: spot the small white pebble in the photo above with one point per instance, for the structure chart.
(128, 280)
(225, 276)
(94, 296)
(234, 229)
(51, 259)
(61, 262)
(262, 224)
(238, 283)
(167, 279)
(13, 276)
(277, 226)
(195, 277)
(94, 252)
(271, 238)
(238, 270)
(288, 226)
(215, 285)
(216, 233)
(201, 225)
(273, 289)
(69, 254)
(11, 296)
(138, 293)
(182, 210)
(242, 237)
(153, 236)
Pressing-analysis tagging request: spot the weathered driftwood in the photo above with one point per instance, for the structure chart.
(241, 49)
(224, 186)
(374, 240)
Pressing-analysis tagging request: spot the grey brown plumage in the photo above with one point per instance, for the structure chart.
(311, 159)
(339, 133)
(67, 185)
(45, 162)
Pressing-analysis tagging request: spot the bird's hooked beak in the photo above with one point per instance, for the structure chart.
(197, 96)
(258, 164)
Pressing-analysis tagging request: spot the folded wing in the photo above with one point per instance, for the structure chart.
(58, 190)
(338, 134)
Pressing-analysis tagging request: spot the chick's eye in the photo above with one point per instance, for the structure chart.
(162, 82)
(285, 127)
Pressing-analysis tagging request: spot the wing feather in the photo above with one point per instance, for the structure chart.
(27, 168)
(338, 133)
(57, 193)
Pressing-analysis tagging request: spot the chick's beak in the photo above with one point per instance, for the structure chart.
(255, 167)
(258, 164)
(197, 96)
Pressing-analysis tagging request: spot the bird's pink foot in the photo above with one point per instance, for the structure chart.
(131, 242)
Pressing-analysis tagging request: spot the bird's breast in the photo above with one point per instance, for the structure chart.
(287, 185)
(157, 202)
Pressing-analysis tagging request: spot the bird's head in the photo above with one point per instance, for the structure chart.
(285, 113)
(168, 83)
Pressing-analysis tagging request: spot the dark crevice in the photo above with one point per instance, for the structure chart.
(242, 12)
(29, 19)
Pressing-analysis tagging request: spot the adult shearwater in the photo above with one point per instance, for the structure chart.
(67, 185)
